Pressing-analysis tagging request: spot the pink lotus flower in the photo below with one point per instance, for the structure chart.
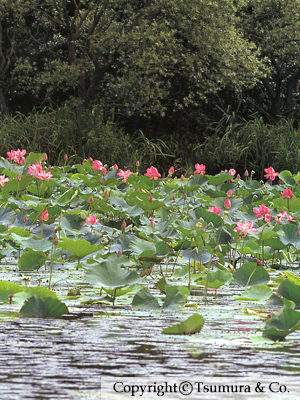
(123, 225)
(270, 173)
(283, 214)
(116, 167)
(229, 193)
(182, 177)
(287, 194)
(152, 223)
(261, 211)
(268, 217)
(215, 210)
(227, 204)
(17, 156)
(34, 168)
(124, 174)
(245, 227)
(152, 173)
(3, 180)
(44, 216)
(171, 171)
(91, 199)
(43, 175)
(92, 220)
(98, 166)
(200, 169)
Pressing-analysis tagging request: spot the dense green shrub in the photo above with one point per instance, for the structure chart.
(72, 130)
(252, 145)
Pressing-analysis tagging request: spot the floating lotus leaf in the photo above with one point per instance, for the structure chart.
(257, 292)
(193, 324)
(43, 308)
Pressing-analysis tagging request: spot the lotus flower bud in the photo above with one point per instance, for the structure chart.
(123, 225)
(152, 223)
(227, 204)
(91, 199)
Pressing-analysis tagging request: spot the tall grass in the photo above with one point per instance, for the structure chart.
(252, 145)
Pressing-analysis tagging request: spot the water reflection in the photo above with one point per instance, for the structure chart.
(47, 359)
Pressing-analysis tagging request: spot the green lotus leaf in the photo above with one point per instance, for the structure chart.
(162, 284)
(144, 300)
(140, 247)
(43, 308)
(15, 185)
(193, 324)
(290, 231)
(290, 290)
(286, 177)
(251, 274)
(17, 231)
(67, 197)
(282, 323)
(34, 158)
(292, 205)
(31, 260)
(36, 244)
(39, 291)
(7, 216)
(219, 178)
(257, 292)
(8, 288)
(216, 279)
(175, 299)
(110, 276)
(80, 248)
(208, 216)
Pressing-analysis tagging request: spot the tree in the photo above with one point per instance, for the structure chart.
(274, 26)
(136, 57)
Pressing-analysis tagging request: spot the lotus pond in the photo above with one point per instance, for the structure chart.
(108, 272)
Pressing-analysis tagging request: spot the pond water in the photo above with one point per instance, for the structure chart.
(69, 358)
(65, 359)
